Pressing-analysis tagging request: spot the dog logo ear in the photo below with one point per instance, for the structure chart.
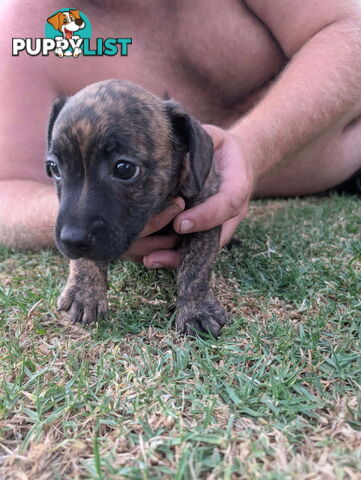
(190, 133)
(56, 107)
(75, 13)
(56, 20)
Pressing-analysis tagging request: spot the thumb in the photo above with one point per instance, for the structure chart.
(213, 212)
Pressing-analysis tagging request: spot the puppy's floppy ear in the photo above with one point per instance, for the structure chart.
(189, 134)
(56, 20)
(57, 105)
(76, 13)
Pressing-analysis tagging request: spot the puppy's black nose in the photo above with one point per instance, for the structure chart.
(77, 239)
(79, 22)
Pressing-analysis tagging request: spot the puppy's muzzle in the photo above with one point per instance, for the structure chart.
(81, 241)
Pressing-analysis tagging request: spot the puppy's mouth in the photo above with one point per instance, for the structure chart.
(95, 238)
(102, 252)
(97, 255)
(68, 34)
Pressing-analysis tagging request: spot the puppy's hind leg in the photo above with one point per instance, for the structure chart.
(84, 297)
(197, 307)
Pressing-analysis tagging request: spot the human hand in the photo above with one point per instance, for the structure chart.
(147, 243)
(227, 207)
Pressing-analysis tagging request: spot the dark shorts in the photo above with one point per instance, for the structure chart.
(351, 186)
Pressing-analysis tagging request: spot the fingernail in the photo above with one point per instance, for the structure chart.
(156, 265)
(186, 225)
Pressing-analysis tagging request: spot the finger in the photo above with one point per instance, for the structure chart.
(213, 212)
(216, 133)
(163, 218)
(133, 258)
(163, 259)
(144, 246)
(228, 229)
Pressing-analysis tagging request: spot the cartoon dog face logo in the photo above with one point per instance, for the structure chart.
(67, 22)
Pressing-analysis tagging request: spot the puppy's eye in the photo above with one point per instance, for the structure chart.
(65, 20)
(52, 170)
(126, 170)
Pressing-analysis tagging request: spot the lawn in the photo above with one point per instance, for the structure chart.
(277, 396)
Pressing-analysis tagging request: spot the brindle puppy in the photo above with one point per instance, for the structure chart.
(118, 155)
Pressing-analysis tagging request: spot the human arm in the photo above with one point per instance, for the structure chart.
(320, 85)
(27, 214)
(28, 202)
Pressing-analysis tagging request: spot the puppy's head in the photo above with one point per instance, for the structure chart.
(67, 22)
(118, 154)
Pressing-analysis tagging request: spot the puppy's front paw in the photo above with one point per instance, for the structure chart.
(84, 305)
(59, 52)
(203, 316)
(77, 51)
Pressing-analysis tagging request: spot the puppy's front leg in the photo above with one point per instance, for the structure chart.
(197, 307)
(85, 295)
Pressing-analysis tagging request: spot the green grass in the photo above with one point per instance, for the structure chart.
(277, 396)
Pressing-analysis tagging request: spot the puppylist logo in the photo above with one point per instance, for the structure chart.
(67, 33)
